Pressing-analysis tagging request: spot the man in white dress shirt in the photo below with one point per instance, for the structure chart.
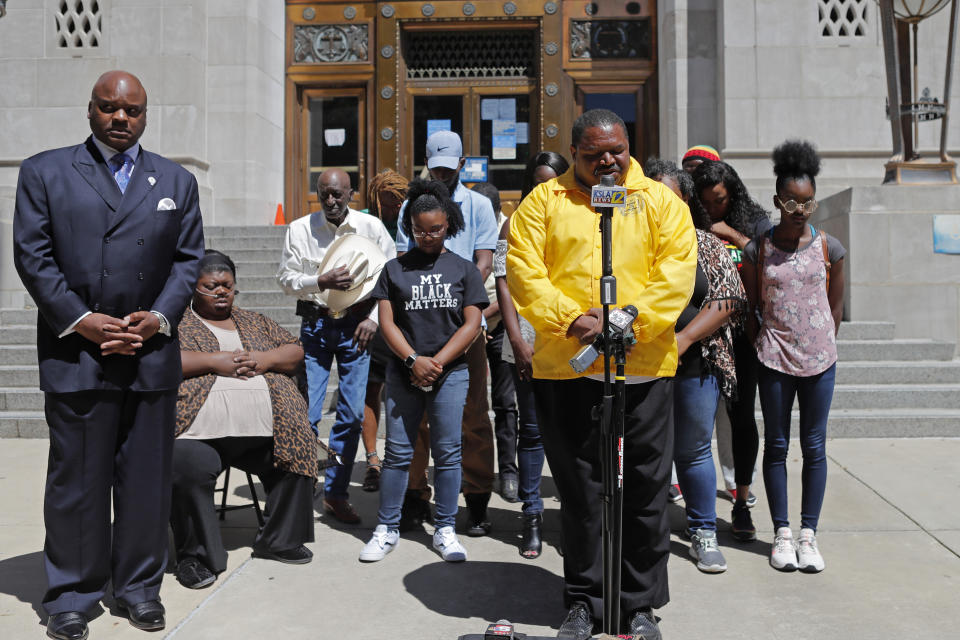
(326, 334)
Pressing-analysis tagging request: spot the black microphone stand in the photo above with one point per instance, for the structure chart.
(611, 414)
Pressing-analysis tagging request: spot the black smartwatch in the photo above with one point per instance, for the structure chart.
(408, 362)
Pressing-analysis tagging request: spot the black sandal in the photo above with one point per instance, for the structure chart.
(371, 481)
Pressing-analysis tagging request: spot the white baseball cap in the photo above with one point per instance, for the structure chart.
(444, 149)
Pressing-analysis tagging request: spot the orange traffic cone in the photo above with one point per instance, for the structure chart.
(279, 219)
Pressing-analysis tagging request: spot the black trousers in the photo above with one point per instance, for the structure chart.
(503, 398)
(744, 436)
(117, 441)
(288, 515)
(572, 441)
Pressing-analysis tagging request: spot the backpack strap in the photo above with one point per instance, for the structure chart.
(760, 259)
(826, 254)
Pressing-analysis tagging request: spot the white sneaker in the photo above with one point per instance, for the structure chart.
(381, 543)
(808, 556)
(445, 541)
(783, 554)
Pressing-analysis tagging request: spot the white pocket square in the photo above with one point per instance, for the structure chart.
(166, 205)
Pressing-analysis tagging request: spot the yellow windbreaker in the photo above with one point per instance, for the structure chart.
(554, 267)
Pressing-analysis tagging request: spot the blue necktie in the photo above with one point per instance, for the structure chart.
(122, 166)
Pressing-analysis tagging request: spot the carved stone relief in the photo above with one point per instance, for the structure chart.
(330, 43)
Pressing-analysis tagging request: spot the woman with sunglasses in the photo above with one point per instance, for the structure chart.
(794, 280)
(430, 302)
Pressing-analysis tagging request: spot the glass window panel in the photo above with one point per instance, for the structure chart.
(334, 137)
(433, 108)
(508, 157)
(622, 104)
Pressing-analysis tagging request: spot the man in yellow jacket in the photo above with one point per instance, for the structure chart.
(553, 270)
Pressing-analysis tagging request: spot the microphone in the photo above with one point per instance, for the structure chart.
(621, 324)
(607, 195)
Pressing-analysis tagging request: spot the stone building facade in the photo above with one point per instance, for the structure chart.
(239, 90)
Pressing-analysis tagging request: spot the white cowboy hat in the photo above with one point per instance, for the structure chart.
(362, 258)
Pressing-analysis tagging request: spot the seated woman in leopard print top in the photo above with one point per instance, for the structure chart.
(238, 406)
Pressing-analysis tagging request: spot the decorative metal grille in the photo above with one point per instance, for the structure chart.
(78, 24)
(330, 43)
(610, 39)
(843, 18)
(470, 54)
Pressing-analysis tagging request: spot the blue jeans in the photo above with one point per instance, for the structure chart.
(694, 409)
(530, 454)
(405, 406)
(322, 340)
(815, 393)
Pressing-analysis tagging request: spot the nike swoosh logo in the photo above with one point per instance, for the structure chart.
(441, 148)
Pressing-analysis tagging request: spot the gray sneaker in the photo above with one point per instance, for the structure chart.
(704, 550)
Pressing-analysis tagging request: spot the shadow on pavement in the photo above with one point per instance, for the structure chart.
(522, 593)
(22, 577)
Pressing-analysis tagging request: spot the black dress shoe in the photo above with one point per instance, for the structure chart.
(643, 625)
(578, 625)
(193, 574)
(69, 625)
(477, 508)
(297, 555)
(147, 616)
(509, 487)
(530, 544)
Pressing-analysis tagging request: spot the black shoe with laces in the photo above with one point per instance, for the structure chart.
(643, 625)
(742, 526)
(578, 625)
(477, 508)
(192, 574)
(297, 555)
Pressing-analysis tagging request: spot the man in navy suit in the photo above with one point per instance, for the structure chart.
(107, 239)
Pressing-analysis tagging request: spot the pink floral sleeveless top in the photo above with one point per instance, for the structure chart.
(797, 332)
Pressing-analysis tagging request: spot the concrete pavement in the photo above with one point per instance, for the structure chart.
(890, 535)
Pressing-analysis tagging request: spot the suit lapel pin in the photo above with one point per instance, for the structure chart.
(152, 180)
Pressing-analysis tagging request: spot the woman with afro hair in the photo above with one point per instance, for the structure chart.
(793, 275)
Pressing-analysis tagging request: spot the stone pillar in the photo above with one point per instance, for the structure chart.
(688, 72)
(892, 273)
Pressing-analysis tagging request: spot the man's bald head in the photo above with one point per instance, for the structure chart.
(118, 109)
(334, 192)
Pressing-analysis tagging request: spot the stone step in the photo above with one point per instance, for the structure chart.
(23, 424)
(930, 423)
(18, 334)
(265, 298)
(10, 317)
(241, 231)
(250, 282)
(228, 244)
(19, 376)
(902, 373)
(285, 316)
(240, 256)
(886, 423)
(905, 350)
(256, 268)
(21, 399)
(20, 354)
(867, 330)
(887, 396)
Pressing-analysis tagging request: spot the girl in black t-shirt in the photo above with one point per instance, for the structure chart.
(430, 302)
